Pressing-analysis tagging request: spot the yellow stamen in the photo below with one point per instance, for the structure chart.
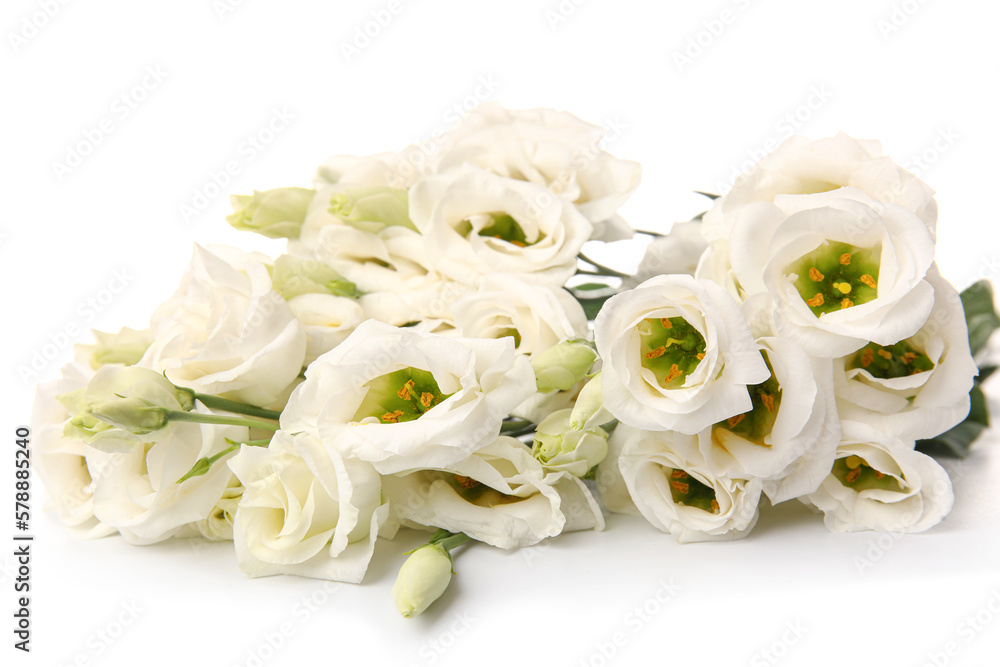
(678, 474)
(680, 486)
(867, 358)
(466, 482)
(733, 421)
(845, 303)
(404, 393)
(815, 301)
(658, 352)
(868, 280)
(845, 259)
(768, 401)
(909, 357)
(426, 399)
(675, 372)
(700, 356)
(853, 475)
(666, 323)
(715, 505)
(815, 274)
(391, 417)
(885, 354)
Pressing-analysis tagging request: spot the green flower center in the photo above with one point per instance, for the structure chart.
(891, 361)
(400, 396)
(836, 276)
(477, 493)
(688, 491)
(505, 228)
(759, 422)
(671, 348)
(855, 473)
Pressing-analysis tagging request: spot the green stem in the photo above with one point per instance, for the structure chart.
(198, 418)
(220, 403)
(515, 425)
(455, 540)
(601, 269)
(649, 233)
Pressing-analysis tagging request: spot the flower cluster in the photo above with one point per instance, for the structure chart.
(422, 355)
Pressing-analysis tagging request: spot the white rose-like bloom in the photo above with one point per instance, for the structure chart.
(328, 320)
(305, 510)
(881, 483)
(662, 476)
(218, 525)
(381, 169)
(60, 461)
(801, 166)
(678, 354)
(137, 492)
(226, 332)
(537, 316)
(843, 268)
(476, 223)
(919, 387)
(499, 495)
(677, 252)
(550, 148)
(404, 399)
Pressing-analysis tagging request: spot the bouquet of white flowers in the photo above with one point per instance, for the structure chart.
(434, 351)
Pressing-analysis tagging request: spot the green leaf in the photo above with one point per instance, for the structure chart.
(590, 287)
(980, 314)
(593, 306)
(957, 441)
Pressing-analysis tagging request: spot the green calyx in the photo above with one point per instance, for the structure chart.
(400, 396)
(671, 348)
(836, 276)
(891, 361)
(688, 491)
(855, 473)
(759, 422)
(372, 209)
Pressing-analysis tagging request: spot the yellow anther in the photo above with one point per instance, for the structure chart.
(885, 354)
(733, 421)
(675, 372)
(845, 303)
(700, 355)
(853, 475)
(909, 357)
(815, 274)
(426, 399)
(680, 486)
(868, 280)
(845, 259)
(867, 357)
(466, 482)
(666, 323)
(391, 417)
(815, 301)
(715, 505)
(768, 401)
(658, 352)
(405, 392)
(678, 474)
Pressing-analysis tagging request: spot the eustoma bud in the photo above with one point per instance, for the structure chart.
(422, 579)
(277, 213)
(563, 365)
(561, 447)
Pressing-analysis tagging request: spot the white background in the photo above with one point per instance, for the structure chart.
(919, 76)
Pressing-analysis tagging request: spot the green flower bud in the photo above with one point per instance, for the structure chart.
(372, 209)
(559, 447)
(276, 214)
(561, 366)
(133, 415)
(125, 347)
(293, 276)
(423, 578)
(589, 409)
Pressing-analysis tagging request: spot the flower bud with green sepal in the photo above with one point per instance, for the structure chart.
(561, 448)
(293, 276)
(277, 213)
(372, 209)
(562, 366)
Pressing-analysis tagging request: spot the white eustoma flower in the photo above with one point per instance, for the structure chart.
(662, 476)
(919, 387)
(550, 148)
(561, 446)
(394, 170)
(677, 252)
(125, 347)
(677, 354)
(790, 436)
(403, 399)
(138, 492)
(61, 461)
(226, 332)
(499, 495)
(305, 510)
(476, 223)
(843, 268)
(801, 166)
(328, 320)
(879, 482)
(538, 317)
(218, 525)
